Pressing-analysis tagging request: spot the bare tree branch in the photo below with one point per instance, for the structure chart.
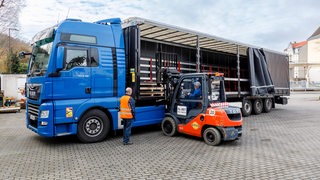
(2, 3)
(9, 14)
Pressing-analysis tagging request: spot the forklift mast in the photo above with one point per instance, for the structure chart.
(170, 80)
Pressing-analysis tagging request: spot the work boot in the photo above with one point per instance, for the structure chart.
(128, 143)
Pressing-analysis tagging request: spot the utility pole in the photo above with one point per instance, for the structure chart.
(198, 54)
(9, 48)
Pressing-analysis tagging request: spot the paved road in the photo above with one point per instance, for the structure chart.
(283, 144)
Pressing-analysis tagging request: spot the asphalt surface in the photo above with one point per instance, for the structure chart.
(282, 144)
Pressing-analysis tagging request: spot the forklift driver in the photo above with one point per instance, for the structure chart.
(196, 94)
(197, 91)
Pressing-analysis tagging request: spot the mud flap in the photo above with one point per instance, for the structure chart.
(120, 122)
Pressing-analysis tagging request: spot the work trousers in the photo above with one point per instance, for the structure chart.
(127, 124)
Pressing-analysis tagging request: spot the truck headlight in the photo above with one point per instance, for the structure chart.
(44, 123)
(44, 114)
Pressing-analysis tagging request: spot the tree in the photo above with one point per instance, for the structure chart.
(9, 19)
(9, 14)
(14, 63)
(23, 68)
(15, 66)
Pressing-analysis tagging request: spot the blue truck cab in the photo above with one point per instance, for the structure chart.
(76, 75)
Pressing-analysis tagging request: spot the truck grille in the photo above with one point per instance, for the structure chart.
(34, 91)
(33, 113)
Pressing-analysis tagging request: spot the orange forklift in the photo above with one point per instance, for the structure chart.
(196, 105)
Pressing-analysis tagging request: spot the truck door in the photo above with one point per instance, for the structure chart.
(74, 81)
(105, 77)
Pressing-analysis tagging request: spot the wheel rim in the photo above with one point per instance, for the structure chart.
(268, 103)
(93, 127)
(167, 126)
(247, 107)
(210, 137)
(259, 105)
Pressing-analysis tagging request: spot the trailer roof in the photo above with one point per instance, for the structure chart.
(155, 31)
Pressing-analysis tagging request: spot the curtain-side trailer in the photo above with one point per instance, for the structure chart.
(255, 79)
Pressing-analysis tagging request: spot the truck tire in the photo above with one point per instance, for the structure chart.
(257, 106)
(246, 108)
(169, 126)
(267, 105)
(212, 136)
(94, 126)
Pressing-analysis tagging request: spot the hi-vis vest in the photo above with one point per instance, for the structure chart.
(125, 109)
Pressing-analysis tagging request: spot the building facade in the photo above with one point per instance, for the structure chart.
(304, 60)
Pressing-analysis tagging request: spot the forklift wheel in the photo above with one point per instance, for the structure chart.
(212, 136)
(169, 126)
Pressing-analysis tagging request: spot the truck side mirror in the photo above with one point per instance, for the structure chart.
(60, 58)
(22, 55)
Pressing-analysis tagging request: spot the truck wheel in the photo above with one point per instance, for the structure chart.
(267, 105)
(246, 108)
(212, 136)
(169, 126)
(257, 106)
(94, 126)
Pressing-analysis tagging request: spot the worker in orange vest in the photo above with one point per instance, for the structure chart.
(127, 114)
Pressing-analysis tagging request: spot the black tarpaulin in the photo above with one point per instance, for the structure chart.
(260, 79)
(278, 66)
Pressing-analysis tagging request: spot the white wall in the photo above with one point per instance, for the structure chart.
(314, 57)
(314, 74)
(314, 51)
(11, 84)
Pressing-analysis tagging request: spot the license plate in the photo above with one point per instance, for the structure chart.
(32, 117)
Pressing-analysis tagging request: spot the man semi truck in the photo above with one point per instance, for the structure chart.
(78, 71)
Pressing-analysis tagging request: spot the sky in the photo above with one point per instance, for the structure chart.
(270, 24)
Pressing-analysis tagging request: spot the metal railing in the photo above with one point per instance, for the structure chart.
(303, 85)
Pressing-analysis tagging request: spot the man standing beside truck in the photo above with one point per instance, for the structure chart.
(127, 106)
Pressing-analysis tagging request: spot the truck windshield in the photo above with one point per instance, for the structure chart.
(214, 95)
(40, 58)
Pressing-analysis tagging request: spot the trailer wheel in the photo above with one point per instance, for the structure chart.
(94, 126)
(212, 136)
(246, 108)
(267, 105)
(257, 106)
(169, 126)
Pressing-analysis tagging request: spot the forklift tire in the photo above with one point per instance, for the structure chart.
(212, 136)
(246, 108)
(169, 126)
(267, 105)
(94, 126)
(257, 106)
